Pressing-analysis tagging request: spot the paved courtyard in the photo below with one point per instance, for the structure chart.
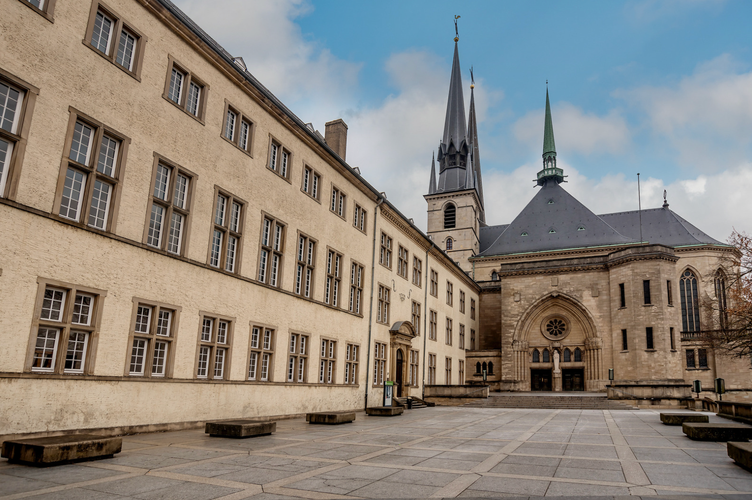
(425, 453)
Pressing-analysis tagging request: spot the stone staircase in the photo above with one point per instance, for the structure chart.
(550, 401)
(417, 403)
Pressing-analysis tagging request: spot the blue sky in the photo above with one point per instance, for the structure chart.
(660, 88)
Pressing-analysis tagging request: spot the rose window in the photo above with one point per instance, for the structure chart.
(556, 328)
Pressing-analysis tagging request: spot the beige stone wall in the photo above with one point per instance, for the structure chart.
(465, 235)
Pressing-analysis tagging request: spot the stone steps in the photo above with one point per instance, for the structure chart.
(417, 403)
(551, 402)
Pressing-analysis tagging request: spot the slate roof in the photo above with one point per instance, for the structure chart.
(565, 215)
(455, 127)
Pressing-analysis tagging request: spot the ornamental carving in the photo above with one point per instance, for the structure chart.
(555, 328)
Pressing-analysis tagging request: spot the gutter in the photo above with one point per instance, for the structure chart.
(370, 308)
(425, 321)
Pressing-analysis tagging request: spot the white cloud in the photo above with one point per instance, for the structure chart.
(575, 130)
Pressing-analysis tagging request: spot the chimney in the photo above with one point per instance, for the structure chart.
(336, 136)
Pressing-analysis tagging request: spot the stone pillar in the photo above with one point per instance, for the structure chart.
(520, 360)
(594, 359)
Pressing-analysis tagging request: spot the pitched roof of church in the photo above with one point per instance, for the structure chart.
(659, 225)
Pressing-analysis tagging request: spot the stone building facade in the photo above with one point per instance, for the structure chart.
(178, 246)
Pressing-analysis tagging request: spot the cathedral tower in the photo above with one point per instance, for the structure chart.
(455, 204)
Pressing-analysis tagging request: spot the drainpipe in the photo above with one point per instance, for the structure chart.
(370, 309)
(425, 321)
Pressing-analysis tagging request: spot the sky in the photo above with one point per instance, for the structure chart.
(660, 88)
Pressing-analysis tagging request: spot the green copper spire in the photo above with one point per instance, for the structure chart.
(549, 172)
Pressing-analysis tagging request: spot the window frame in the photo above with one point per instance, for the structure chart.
(213, 344)
(649, 339)
(308, 263)
(413, 379)
(333, 295)
(188, 78)
(383, 304)
(152, 337)
(240, 117)
(386, 244)
(448, 334)
(379, 363)
(19, 135)
(462, 337)
(296, 356)
(115, 181)
(313, 191)
(328, 361)
(277, 169)
(356, 290)
(646, 293)
(360, 219)
(339, 199)
(352, 363)
(65, 325)
(169, 206)
(272, 251)
(450, 294)
(433, 325)
(417, 271)
(461, 379)
(118, 26)
(47, 10)
(402, 263)
(624, 340)
(462, 302)
(434, 289)
(472, 308)
(431, 369)
(448, 370)
(261, 351)
(415, 310)
(227, 231)
(622, 296)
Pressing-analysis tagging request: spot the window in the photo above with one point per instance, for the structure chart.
(327, 362)
(17, 100)
(432, 324)
(450, 216)
(431, 369)
(311, 182)
(402, 261)
(669, 293)
(338, 202)
(306, 265)
(90, 173)
(417, 272)
(151, 339)
(448, 371)
(473, 345)
(449, 243)
(359, 218)
(720, 296)
(238, 129)
(115, 39)
(646, 291)
(462, 302)
(622, 296)
(702, 358)
(450, 294)
(260, 361)
(689, 302)
(226, 238)
(472, 308)
(379, 363)
(356, 287)
(691, 358)
(42, 7)
(65, 317)
(351, 364)
(462, 336)
(577, 355)
(546, 356)
(567, 357)
(448, 334)
(649, 337)
(272, 248)
(434, 283)
(280, 159)
(385, 256)
(416, 317)
(461, 381)
(536, 356)
(185, 90)
(671, 336)
(333, 278)
(413, 379)
(298, 358)
(172, 195)
(382, 313)
(624, 342)
(215, 340)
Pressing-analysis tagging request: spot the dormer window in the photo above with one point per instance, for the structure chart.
(581, 228)
(524, 233)
(551, 201)
(552, 231)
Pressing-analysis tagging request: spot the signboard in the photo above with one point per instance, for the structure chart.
(388, 392)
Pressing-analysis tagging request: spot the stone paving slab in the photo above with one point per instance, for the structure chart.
(431, 453)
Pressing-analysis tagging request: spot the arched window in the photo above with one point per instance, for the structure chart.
(449, 243)
(577, 355)
(546, 356)
(567, 355)
(477, 367)
(450, 216)
(490, 367)
(689, 302)
(720, 295)
(536, 356)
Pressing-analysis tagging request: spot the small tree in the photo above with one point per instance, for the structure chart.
(732, 305)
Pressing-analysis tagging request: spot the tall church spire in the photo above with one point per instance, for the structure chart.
(454, 124)
(472, 134)
(550, 171)
(432, 181)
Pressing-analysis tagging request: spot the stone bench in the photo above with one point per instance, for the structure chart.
(680, 418)
(61, 449)
(331, 418)
(741, 453)
(385, 411)
(717, 432)
(240, 428)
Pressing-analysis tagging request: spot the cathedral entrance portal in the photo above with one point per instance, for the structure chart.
(540, 380)
(573, 379)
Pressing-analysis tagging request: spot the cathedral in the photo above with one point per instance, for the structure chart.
(571, 300)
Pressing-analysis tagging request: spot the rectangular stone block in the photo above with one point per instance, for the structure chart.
(717, 432)
(61, 449)
(331, 418)
(240, 428)
(741, 453)
(680, 418)
(384, 411)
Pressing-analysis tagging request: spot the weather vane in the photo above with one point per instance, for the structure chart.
(456, 32)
